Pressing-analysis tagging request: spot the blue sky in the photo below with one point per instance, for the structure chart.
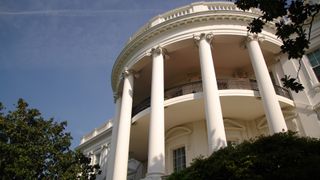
(58, 54)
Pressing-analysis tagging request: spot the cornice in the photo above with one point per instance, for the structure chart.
(151, 32)
(99, 137)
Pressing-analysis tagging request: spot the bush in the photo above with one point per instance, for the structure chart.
(280, 156)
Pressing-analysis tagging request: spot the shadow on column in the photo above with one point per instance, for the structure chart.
(157, 168)
(218, 143)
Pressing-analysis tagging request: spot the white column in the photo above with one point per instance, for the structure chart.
(270, 101)
(156, 152)
(215, 127)
(123, 137)
(114, 138)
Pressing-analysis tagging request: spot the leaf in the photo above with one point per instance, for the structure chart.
(291, 83)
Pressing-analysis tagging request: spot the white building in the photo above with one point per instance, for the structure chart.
(193, 80)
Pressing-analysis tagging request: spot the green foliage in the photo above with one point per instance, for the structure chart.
(34, 148)
(280, 156)
(291, 83)
(293, 20)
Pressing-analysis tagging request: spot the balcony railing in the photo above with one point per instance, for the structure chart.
(195, 87)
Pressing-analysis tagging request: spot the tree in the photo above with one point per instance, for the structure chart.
(32, 147)
(293, 20)
(280, 156)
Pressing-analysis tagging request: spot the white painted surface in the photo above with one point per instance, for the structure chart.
(174, 31)
(156, 156)
(270, 101)
(122, 145)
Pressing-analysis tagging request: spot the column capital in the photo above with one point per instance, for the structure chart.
(104, 146)
(128, 72)
(158, 51)
(207, 36)
(255, 37)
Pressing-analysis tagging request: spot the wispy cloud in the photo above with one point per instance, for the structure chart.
(68, 12)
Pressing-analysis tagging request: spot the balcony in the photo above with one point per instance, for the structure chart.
(195, 87)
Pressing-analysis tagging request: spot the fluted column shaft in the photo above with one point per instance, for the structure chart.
(215, 127)
(123, 137)
(270, 101)
(156, 151)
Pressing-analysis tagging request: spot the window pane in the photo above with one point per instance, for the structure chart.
(317, 55)
(179, 159)
(312, 59)
(317, 72)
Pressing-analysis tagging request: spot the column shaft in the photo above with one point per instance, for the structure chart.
(270, 101)
(214, 118)
(114, 138)
(123, 137)
(156, 151)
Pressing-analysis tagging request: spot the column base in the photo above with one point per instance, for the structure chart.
(154, 176)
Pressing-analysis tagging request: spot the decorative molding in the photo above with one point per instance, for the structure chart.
(232, 124)
(127, 72)
(262, 123)
(176, 132)
(207, 36)
(289, 113)
(255, 37)
(148, 53)
(157, 50)
(104, 146)
(316, 107)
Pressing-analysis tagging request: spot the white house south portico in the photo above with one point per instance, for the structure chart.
(192, 81)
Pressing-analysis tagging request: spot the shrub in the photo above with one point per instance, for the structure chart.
(280, 156)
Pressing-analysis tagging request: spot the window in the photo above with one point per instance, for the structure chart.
(179, 159)
(314, 59)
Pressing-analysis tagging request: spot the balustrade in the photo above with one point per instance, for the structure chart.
(193, 8)
(195, 87)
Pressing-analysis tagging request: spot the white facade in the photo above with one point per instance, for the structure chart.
(192, 81)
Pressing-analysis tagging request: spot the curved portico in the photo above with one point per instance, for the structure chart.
(201, 53)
